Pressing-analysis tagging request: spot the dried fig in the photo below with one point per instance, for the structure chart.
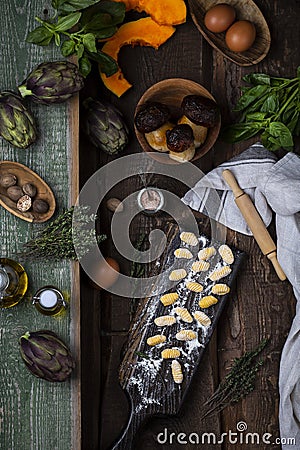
(14, 193)
(40, 206)
(8, 180)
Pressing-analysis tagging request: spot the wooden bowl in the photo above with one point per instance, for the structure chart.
(245, 10)
(171, 93)
(25, 175)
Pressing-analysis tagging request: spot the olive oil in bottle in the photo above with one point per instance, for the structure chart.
(13, 282)
(49, 301)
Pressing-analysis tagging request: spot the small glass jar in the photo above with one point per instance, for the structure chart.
(49, 301)
(13, 282)
(150, 200)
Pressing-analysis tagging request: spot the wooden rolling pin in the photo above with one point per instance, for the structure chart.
(255, 223)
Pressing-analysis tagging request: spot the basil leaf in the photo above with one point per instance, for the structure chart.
(292, 123)
(282, 134)
(240, 131)
(104, 14)
(271, 104)
(57, 39)
(255, 117)
(257, 79)
(56, 4)
(67, 48)
(80, 4)
(40, 36)
(107, 64)
(251, 96)
(80, 50)
(89, 42)
(64, 23)
(105, 32)
(268, 142)
(84, 66)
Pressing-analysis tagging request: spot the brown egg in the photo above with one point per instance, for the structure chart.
(219, 17)
(106, 276)
(240, 36)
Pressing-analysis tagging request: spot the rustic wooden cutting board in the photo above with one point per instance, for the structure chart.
(144, 375)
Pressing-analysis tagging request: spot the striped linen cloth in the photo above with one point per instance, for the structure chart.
(274, 187)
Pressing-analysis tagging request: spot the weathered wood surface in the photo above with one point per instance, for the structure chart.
(35, 414)
(261, 305)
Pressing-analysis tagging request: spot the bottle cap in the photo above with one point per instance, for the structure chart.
(48, 298)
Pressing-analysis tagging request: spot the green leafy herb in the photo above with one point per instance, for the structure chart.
(270, 107)
(239, 382)
(77, 27)
(56, 241)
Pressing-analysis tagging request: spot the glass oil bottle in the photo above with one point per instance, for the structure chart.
(13, 282)
(49, 301)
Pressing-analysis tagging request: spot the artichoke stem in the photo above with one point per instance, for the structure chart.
(24, 91)
(26, 335)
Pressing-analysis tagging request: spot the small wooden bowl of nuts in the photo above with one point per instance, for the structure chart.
(24, 193)
(177, 116)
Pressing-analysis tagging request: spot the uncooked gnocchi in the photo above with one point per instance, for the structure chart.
(220, 289)
(207, 301)
(226, 254)
(163, 321)
(169, 299)
(170, 353)
(189, 238)
(222, 272)
(183, 253)
(177, 275)
(184, 314)
(177, 371)
(202, 318)
(157, 339)
(193, 286)
(186, 335)
(200, 266)
(206, 253)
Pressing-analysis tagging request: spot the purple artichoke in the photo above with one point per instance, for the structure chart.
(46, 355)
(52, 82)
(16, 123)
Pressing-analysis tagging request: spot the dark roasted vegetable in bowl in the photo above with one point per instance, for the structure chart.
(52, 82)
(16, 122)
(46, 355)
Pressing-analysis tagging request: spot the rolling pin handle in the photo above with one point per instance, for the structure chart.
(273, 258)
(233, 184)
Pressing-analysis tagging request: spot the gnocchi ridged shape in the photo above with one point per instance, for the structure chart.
(170, 353)
(169, 299)
(186, 335)
(202, 318)
(177, 274)
(163, 321)
(157, 339)
(193, 286)
(176, 372)
(183, 253)
(206, 253)
(222, 272)
(226, 254)
(220, 289)
(189, 238)
(200, 266)
(208, 301)
(184, 315)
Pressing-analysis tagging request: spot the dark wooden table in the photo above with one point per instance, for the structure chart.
(261, 306)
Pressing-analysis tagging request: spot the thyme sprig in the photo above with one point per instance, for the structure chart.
(56, 241)
(239, 382)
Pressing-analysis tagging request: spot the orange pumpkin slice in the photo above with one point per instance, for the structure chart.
(164, 12)
(144, 32)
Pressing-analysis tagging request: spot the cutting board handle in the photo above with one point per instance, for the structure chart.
(126, 440)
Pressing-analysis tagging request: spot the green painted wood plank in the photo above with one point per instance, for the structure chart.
(34, 414)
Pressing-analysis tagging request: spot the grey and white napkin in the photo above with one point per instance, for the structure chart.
(274, 186)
